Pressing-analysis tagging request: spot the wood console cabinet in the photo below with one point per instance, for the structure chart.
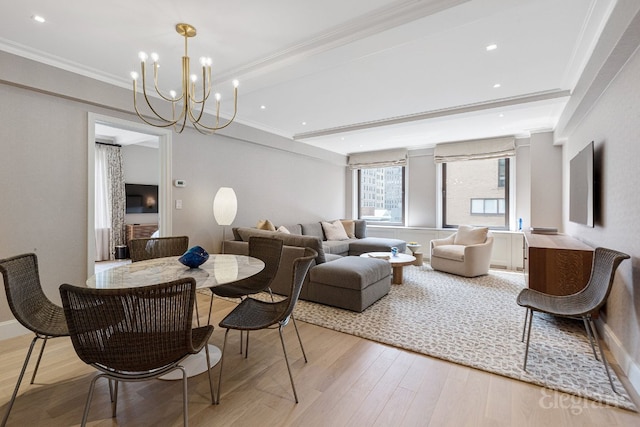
(138, 231)
(556, 264)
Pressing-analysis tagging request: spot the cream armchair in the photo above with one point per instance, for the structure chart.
(466, 252)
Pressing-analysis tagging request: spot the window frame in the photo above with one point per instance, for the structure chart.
(403, 198)
(507, 197)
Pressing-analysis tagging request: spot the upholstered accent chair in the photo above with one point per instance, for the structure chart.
(466, 252)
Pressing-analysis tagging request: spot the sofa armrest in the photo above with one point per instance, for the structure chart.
(481, 252)
(446, 241)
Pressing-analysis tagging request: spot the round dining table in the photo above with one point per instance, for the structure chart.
(217, 270)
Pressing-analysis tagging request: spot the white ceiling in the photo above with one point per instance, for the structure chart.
(362, 74)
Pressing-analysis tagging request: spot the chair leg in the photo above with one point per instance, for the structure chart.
(85, 414)
(210, 307)
(224, 344)
(524, 327)
(526, 351)
(206, 352)
(15, 390)
(113, 394)
(299, 339)
(35, 371)
(286, 359)
(586, 327)
(246, 350)
(604, 360)
(185, 402)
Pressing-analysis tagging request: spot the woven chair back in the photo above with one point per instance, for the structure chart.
(157, 247)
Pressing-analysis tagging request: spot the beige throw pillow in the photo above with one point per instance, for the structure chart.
(283, 229)
(467, 235)
(349, 227)
(334, 230)
(265, 224)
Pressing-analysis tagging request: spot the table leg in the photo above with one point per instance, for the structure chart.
(397, 275)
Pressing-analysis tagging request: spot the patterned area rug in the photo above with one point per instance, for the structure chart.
(476, 322)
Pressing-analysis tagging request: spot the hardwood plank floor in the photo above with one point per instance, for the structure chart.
(348, 381)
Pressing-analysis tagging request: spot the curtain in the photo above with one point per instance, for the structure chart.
(110, 201)
(493, 148)
(378, 159)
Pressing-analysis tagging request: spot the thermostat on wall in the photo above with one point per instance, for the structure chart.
(179, 183)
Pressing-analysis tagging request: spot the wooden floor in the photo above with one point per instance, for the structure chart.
(348, 381)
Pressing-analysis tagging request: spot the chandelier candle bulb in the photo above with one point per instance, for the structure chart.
(191, 102)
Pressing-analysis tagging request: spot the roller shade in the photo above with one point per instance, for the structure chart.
(378, 159)
(493, 148)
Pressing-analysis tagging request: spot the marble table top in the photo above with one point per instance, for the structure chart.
(217, 270)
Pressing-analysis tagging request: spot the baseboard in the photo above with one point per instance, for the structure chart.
(11, 328)
(626, 362)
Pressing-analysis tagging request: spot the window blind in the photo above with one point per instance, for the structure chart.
(493, 148)
(378, 159)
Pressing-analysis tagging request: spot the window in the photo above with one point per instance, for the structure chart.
(472, 195)
(381, 195)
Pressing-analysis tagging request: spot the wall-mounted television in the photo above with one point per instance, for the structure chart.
(581, 187)
(141, 198)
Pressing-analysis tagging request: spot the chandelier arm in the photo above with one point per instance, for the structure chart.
(155, 85)
(135, 106)
(235, 111)
(146, 98)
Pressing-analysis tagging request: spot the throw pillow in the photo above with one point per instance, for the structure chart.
(283, 229)
(334, 231)
(467, 235)
(265, 224)
(349, 227)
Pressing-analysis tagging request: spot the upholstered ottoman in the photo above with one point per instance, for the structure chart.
(352, 283)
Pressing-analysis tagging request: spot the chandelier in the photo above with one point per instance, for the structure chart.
(190, 103)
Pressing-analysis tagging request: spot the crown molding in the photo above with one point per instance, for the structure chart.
(459, 109)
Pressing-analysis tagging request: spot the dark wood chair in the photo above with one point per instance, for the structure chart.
(157, 247)
(252, 315)
(135, 334)
(581, 305)
(31, 308)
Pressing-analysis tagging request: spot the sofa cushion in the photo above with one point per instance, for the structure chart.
(313, 229)
(288, 239)
(350, 272)
(360, 226)
(349, 227)
(334, 230)
(338, 247)
(283, 229)
(452, 252)
(265, 224)
(293, 228)
(467, 235)
(375, 244)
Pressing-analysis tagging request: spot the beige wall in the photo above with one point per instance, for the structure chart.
(546, 181)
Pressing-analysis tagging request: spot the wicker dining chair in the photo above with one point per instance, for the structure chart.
(157, 247)
(252, 314)
(135, 334)
(581, 305)
(31, 308)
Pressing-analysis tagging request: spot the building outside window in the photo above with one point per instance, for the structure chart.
(476, 192)
(381, 195)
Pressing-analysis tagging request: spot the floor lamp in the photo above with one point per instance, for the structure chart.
(225, 207)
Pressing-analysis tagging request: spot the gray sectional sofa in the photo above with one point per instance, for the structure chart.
(339, 277)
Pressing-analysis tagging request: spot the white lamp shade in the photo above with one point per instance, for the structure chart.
(225, 206)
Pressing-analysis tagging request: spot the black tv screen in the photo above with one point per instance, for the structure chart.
(581, 183)
(141, 198)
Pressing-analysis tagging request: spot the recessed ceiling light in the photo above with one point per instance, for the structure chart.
(304, 123)
(38, 18)
(500, 115)
(263, 107)
(492, 47)
(497, 85)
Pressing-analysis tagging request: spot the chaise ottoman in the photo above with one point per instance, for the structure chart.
(352, 283)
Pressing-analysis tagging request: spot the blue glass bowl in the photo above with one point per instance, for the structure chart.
(194, 257)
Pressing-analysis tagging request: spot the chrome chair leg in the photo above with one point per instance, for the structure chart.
(206, 352)
(524, 327)
(526, 351)
(87, 404)
(35, 371)
(246, 350)
(15, 390)
(224, 344)
(586, 327)
(604, 360)
(299, 339)
(286, 359)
